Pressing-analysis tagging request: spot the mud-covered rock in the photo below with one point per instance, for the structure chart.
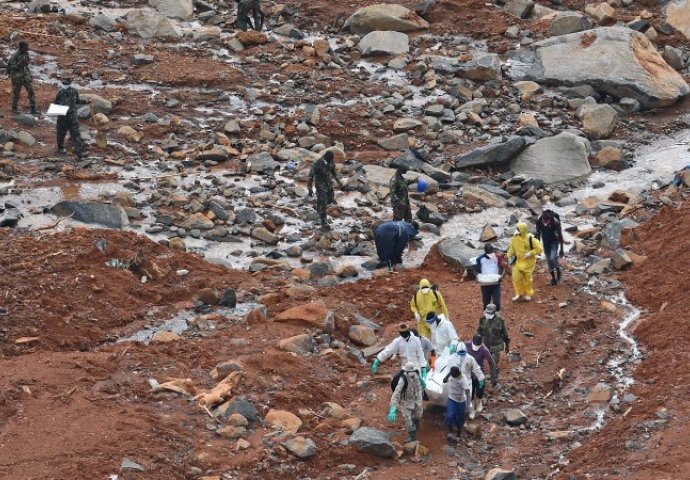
(618, 61)
(374, 441)
(385, 16)
(556, 159)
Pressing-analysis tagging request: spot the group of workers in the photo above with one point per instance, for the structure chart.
(435, 334)
(469, 362)
(20, 75)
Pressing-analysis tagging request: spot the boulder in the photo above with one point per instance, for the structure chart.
(300, 447)
(39, 6)
(678, 16)
(479, 195)
(673, 56)
(405, 124)
(197, 221)
(599, 267)
(481, 68)
(362, 335)
(557, 159)
(313, 314)
(251, 38)
(180, 9)
(384, 16)
(618, 61)
(381, 177)
(103, 22)
(488, 234)
(569, 22)
(283, 420)
(26, 138)
(262, 163)
(261, 233)
(613, 231)
(111, 216)
(147, 23)
(374, 441)
(520, 8)
(610, 158)
(500, 474)
(603, 13)
(241, 406)
(396, 142)
(384, 42)
(289, 30)
(456, 252)
(497, 153)
(598, 121)
(414, 163)
(300, 344)
(514, 417)
(98, 103)
(620, 259)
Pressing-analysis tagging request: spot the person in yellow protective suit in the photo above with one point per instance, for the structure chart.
(525, 249)
(427, 299)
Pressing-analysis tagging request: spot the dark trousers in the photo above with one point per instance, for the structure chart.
(17, 84)
(68, 124)
(402, 211)
(455, 414)
(551, 253)
(492, 294)
(476, 390)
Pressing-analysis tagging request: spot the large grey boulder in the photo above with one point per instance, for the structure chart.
(147, 23)
(481, 68)
(384, 42)
(492, 154)
(612, 232)
(569, 22)
(181, 9)
(111, 216)
(554, 159)
(456, 252)
(385, 16)
(381, 177)
(598, 121)
(103, 22)
(374, 441)
(262, 163)
(615, 60)
(412, 162)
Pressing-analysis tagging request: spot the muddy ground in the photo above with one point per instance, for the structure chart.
(76, 395)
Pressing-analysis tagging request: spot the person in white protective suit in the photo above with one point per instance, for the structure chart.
(467, 366)
(408, 348)
(443, 332)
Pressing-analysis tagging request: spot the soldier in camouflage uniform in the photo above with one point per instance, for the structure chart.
(493, 329)
(19, 73)
(68, 96)
(244, 9)
(400, 200)
(323, 172)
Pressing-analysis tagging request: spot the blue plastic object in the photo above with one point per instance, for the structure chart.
(421, 185)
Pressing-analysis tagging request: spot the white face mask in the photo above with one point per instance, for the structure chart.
(425, 290)
(489, 315)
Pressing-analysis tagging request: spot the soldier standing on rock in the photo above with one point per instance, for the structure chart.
(68, 96)
(244, 8)
(19, 73)
(400, 201)
(323, 172)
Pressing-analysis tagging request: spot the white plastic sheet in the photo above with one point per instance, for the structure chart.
(57, 110)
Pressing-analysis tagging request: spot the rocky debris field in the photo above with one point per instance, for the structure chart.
(169, 299)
